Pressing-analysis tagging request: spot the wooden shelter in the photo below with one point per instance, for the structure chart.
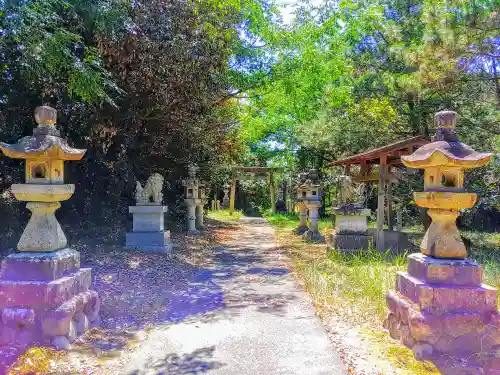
(244, 173)
(386, 158)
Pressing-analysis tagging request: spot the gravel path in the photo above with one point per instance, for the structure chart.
(242, 314)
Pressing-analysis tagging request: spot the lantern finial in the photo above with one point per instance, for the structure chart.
(45, 116)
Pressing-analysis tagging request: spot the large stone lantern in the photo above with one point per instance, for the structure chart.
(441, 308)
(194, 196)
(44, 294)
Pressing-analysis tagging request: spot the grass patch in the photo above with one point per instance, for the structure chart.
(225, 215)
(350, 287)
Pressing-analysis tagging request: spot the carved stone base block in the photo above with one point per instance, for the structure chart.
(313, 236)
(300, 229)
(149, 241)
(148, 229)
(444, 313)
(349, 242)
(351, 221)
(45, 298)
(148, 218)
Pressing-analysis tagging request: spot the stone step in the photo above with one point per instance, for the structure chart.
(44, 294)
(445, 271)
(26, 266)
(446, 298)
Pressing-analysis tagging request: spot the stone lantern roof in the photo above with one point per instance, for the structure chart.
(45, 143)
(446, 150)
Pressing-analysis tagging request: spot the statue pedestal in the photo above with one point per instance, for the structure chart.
(444, 313)
(45, 299)
(148, 231)
(351, 229)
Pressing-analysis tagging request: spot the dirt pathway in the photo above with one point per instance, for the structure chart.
(241, 313)
(254, 319)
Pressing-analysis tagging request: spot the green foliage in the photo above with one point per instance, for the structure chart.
(353, 75)
(144, 87)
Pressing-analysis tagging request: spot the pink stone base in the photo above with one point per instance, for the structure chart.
(35, 311)
(443, 312)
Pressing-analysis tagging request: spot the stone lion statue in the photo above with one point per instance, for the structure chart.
(349, 194)
(151, 193)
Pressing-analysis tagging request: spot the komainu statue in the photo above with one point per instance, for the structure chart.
(151, 193)
(349, 194)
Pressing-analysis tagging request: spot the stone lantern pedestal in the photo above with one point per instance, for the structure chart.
(312, 233)
(302, 228)
(441, 309)
(351, 229)
(193, 215)
(45, 297)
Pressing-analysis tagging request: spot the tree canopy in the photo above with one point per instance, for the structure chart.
(150, 86)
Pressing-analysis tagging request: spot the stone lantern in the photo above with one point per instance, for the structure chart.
(302, 193)
(225, 200)
(44, 294)
(441, 308)
(194, 196)
(308, 195)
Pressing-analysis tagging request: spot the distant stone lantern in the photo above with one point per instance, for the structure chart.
(225, 200)
(309, 202)
(44, 294)
(441, 309)
(302, 193)
(194, 196)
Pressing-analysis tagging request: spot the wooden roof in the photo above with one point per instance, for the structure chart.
(392, 152)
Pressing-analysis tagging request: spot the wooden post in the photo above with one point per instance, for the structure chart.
(390, 220)
(271, 192)
(232, 196)
(381, 203)
(347, 169)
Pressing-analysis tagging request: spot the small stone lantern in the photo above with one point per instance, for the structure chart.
(302, 191)
(441, 309)
(194, 193)
(308, 194)
(44, 294)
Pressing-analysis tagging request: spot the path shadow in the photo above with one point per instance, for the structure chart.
(198, 362)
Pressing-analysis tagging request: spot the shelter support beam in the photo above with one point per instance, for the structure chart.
(272, 192)
(381, 203)
(232, 196)
(390, 219)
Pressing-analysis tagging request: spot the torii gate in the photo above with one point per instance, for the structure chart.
(246, 173)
